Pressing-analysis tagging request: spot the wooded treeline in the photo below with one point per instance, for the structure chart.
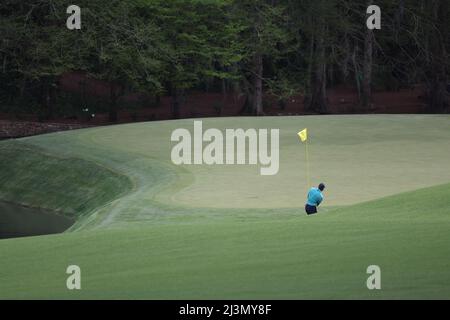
(254, 47)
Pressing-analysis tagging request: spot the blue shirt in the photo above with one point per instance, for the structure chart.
(315, 197)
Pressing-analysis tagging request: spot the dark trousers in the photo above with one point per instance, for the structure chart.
(310, 209)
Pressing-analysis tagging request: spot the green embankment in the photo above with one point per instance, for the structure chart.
(68, 186)
(153, 230)
(360, 158)
(325, 256)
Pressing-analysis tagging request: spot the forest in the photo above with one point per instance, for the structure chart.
(257, 48)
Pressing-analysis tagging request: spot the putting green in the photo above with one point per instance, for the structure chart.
(360, 158)
(166, 231)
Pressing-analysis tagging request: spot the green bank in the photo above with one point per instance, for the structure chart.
(148, 229)
(293, 257)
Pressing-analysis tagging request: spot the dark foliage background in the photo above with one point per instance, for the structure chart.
(255, 48)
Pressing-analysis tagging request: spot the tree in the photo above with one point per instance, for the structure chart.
(273, 47)
(30, 50)
(199, 43)
(321, 27)
(118, 44)
(263, 37)
(415, 47)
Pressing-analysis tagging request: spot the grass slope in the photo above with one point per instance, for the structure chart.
(70, 186)
(193, 232)
(380, 155)
(295, 257)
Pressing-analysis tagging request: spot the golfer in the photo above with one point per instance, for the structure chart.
(315, 198)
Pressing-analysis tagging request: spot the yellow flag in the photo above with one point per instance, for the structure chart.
(303, 135)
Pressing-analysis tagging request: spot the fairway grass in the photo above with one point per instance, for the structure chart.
(294, 257)
(151, 230)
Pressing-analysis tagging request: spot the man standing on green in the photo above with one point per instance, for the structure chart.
(315, 198)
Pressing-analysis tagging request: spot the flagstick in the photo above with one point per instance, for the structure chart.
(308, 179)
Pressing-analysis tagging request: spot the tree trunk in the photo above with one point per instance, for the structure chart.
(247, 89)
(177, 102)
(318, 101)
(49, 101)
(437, 95)
(258, 84)
(347, 59)
(47, 113)
(399, 15)
(113, 104)
(310, 75)
(356, 70)
(366, 96)
(437, 87)
(224, 89)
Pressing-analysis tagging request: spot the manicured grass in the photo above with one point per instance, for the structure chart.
(293, 257)
(70, 186)
(154, 230)
(359, 157)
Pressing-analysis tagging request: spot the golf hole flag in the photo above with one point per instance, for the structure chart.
(303, 135)
(304, 138)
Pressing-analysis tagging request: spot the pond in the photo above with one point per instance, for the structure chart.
(20, 221)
